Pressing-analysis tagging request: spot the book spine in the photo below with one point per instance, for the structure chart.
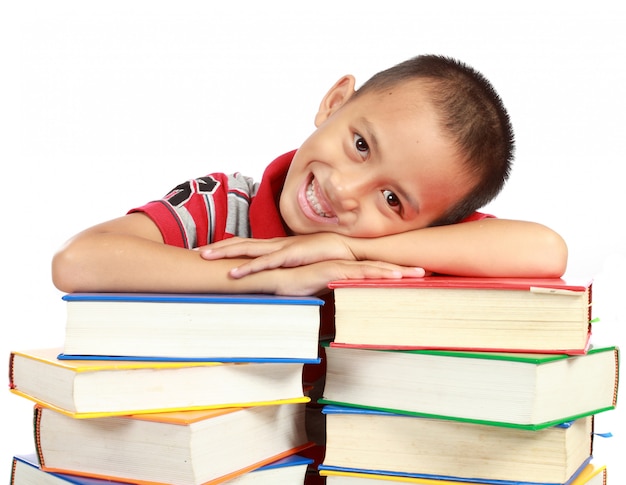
(616, 385)
(12, 482)
(589, 293)
(37, 434)
(11, 371)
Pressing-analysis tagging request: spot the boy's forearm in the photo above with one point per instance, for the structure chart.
(492, 247)
(110, 262)
(118, 262)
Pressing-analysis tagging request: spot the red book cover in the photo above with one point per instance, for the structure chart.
(407, 320)
(493, 283)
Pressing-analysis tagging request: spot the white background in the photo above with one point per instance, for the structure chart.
(106, 105)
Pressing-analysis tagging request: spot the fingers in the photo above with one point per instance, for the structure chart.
(270, 254)
(256, 265)
(381, 270)
(414, 273)
(314, 278)
(239, 249)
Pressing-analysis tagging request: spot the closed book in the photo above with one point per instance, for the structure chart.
(530, 391)
(179, 448)
(591, 474)
(195, 326)
(463, 313)
(89, 388)
(393, 444)
(286, 471)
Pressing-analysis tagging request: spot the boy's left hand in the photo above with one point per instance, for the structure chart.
(280, 252)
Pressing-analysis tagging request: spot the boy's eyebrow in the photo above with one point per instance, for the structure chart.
(373, 142)
(371, 135)
(410, 200)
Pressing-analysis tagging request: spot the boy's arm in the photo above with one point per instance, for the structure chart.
(128, 254)
(489, 247)
(125, 254)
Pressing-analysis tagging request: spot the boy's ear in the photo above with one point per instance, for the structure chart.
(336, 97)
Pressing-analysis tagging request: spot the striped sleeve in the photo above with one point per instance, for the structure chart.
(193, 213)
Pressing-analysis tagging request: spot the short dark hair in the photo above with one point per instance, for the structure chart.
(471, 113)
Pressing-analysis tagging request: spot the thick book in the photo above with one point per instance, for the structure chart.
(530, 391)
(463, 313)
(286, 471)
(192, 326)
(89, 388)
(591, 474)
(179, 448)
(393, 444)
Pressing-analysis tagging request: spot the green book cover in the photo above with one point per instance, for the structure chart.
(535, 360)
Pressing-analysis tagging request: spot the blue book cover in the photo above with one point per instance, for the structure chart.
(205, 298)
(335, 409)
(460, 480)
(32, 461)
(192, 327)
(224, 360)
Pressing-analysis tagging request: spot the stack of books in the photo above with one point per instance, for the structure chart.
(465, 380)
(171, 389)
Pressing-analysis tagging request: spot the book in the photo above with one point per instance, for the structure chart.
(178, 448)
(192, 326)
(463, 313)
(89, 388)
(286, 471)
(531, 391)
(384, 443)
(590, 475)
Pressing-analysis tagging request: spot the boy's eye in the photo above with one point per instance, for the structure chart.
(360, 144)
(391, 198)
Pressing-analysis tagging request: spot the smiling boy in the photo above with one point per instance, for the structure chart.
(378, 166)
(375, 192)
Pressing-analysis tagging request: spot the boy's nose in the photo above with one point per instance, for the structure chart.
(348, 189)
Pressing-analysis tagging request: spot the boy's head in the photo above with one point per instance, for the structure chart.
(423, 143)
(470, 112)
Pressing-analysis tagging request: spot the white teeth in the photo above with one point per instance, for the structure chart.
(312, 198)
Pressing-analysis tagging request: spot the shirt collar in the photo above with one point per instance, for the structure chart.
(265, 218)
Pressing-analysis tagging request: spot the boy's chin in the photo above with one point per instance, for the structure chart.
(314, 224)
(303, 230)
(310, 223)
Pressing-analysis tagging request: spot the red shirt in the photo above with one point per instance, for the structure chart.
(219, 206)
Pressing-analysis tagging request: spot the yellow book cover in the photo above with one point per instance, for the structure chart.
(589, 472)
(98, 388)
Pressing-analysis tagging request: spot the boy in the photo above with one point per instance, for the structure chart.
(375, 192)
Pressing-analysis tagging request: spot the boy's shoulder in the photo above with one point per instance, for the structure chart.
(478, 216)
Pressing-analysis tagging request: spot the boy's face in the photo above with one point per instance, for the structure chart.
(375, 166)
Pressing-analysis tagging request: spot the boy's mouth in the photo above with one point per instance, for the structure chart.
(316, 200)
(314, 204)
